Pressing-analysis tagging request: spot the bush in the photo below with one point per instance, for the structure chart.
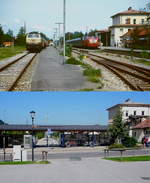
(73, 61)
(69, 51)
(129, 142)
(92, 72)
(144, 54)
(116, 146)
(94, 79)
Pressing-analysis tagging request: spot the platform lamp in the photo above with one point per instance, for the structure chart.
(32, 113)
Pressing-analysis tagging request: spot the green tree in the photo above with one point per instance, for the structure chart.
(1, 35)
(8, 36)
(2, 122)
(92, 32)
(118, 130)
(21, 37)
(69, 35)
(10, 33)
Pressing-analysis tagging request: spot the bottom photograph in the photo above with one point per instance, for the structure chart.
(75, 137)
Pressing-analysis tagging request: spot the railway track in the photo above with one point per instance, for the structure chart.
(136, 77)
(12, 70)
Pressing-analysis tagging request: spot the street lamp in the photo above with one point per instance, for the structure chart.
(64, 30)
(32, 113)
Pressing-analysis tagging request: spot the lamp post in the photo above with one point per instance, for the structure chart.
(64, 30)
(32, 113)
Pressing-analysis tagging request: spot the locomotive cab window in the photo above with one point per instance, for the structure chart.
(33, 36)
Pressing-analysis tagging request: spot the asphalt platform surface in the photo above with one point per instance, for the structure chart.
(88, 170)
(52, 74)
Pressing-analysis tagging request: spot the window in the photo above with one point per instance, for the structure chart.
(134, 113)
(142, 21)
(147, 132)
(134, 134)
(134, 21)
(128, 21)
(33, 35)
(127, 113)
(142, 113)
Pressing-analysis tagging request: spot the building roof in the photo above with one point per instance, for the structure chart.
(140, 32)
(129, 103)
(103, 31)
(53, 127)
(128, 25)
(143, 124)
(130, 11)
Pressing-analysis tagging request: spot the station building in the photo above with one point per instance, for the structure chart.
(134, 114)
(128, 108)
(124, 21)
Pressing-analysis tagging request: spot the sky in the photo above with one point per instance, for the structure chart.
(81, 15)
(58, 108)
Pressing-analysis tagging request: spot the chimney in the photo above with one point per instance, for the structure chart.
(130, 8)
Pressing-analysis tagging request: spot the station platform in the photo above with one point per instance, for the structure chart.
(52, 75)
(123, 49)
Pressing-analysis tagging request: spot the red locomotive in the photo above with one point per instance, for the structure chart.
(85, 42)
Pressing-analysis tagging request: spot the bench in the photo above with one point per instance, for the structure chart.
(121, 150)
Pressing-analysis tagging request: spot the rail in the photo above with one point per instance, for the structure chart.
(13, 70)
(136, 77)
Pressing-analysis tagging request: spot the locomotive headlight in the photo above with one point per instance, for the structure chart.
(92, 40)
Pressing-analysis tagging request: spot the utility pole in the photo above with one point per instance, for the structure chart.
(56, 34)
(64, 30)
(25, 27)
(59, 23)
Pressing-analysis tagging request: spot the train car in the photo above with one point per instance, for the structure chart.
(85, 42)
(35, 42)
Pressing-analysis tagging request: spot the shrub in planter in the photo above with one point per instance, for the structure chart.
(129, 142)
(116, 146)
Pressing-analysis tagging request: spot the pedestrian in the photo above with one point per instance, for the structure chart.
(145, 142)
(143, 139)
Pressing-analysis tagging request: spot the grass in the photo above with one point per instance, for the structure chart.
(129, 159)
(11, 51)
(87, 89)
(92, 74)
(24, 162)
(141, 61)
(73, 61)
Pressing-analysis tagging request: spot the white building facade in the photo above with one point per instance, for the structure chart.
(128, 108)
(125, 21)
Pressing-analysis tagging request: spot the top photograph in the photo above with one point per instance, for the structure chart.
(68, 45)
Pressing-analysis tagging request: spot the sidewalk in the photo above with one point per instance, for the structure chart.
(126, 50)
(62, 150)
(51, 74)
(90, 170)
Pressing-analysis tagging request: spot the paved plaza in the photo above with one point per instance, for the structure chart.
(88, 170)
